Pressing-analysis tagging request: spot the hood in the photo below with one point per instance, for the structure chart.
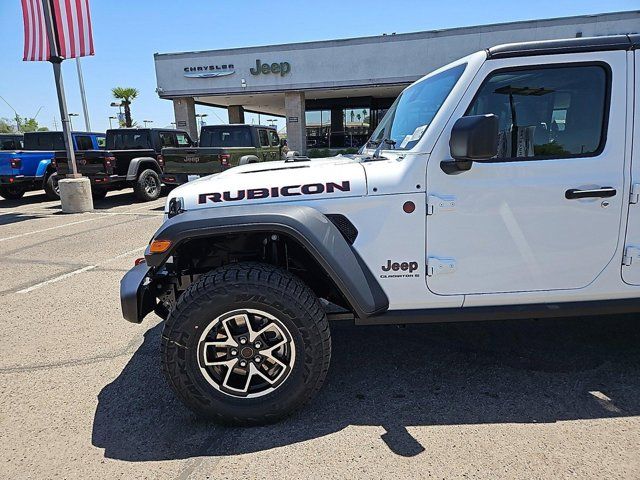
(281, 181)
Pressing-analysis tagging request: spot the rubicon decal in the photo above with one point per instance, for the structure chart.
(274, 192)
(401, 268)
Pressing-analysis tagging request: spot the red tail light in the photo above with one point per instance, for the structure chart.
(15, 163)
(160, 159)
(224, 159)
(109, 162)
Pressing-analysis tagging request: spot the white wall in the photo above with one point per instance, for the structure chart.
(367, 61)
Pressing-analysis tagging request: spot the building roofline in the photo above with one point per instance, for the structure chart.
(413, 35)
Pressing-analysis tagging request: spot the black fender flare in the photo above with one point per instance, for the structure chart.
(136, 163)
(246, 159)
(306, 225)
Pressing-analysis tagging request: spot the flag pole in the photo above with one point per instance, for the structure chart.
(56, 61)
(87, 124)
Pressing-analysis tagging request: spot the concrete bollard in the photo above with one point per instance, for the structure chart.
(75, 195)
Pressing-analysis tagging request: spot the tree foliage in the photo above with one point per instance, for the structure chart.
(6, 126)
(20, 124)
(126, 95)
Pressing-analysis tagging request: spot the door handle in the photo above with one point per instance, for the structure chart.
(604, 192)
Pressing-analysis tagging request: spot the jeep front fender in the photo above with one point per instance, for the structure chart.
(306, 225)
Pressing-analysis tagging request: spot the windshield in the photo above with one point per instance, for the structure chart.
(412, 112)
(226, 137)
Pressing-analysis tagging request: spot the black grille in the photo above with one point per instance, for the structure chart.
(342, 223)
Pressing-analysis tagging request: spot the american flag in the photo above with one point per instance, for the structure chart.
(74, 37)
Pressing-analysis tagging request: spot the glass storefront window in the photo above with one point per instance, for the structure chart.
(356, 126)
(318, 128)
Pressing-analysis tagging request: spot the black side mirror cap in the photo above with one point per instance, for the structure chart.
(474, 138)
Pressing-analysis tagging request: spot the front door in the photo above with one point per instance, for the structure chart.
(545, 213)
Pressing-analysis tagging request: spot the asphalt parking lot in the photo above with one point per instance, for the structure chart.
(82, 396)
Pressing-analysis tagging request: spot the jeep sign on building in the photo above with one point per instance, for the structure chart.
(333, 93)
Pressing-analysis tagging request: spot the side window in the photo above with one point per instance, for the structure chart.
(273, 136)
(101, 141)
(167, 139)
(10, 144)
(83, 142)
(264, 138)
(183, 140)
(556, 112)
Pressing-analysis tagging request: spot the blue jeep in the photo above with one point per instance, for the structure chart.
(30, 168)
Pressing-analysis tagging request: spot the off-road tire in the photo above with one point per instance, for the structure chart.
(98, 193)
(141, 187)
(12, 192)
(51, 189)
(246, 286)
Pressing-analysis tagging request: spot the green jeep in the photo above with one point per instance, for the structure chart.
(221, 147)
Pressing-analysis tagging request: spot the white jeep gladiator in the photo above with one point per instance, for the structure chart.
(503, 185)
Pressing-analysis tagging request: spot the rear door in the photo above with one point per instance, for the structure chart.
(275, 145)
(545, 213)
(264, 151)
(631, 261)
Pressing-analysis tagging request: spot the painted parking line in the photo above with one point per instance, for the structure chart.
(95, 216)
(64, 276)
(33, 232)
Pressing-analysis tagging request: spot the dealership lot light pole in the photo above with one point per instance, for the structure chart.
(70, 121)
(85, 108)
(111, 118)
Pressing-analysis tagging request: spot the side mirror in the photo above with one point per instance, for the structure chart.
(474, 138)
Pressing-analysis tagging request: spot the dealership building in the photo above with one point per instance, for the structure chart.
(333, 93)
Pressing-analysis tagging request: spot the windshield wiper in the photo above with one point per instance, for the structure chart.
(382, 143)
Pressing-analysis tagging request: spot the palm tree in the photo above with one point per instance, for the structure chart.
(125, 95)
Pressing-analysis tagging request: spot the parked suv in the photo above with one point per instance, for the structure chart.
(29, 167)
(503, 185)
(221, 147)
(132, 159)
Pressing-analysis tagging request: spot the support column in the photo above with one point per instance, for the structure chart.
(236, 113)
(185, 113)
(337, 127)
(294, 106)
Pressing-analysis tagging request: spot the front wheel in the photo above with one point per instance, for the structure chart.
(247, 344)
(12, 192)
(148, 186)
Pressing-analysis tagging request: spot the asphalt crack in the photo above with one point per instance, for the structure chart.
(129, 349)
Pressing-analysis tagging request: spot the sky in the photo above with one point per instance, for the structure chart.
(128, 32)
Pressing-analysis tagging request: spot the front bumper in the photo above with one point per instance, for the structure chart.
(136, 297)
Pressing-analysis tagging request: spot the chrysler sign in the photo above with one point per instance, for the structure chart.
(209, 71)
